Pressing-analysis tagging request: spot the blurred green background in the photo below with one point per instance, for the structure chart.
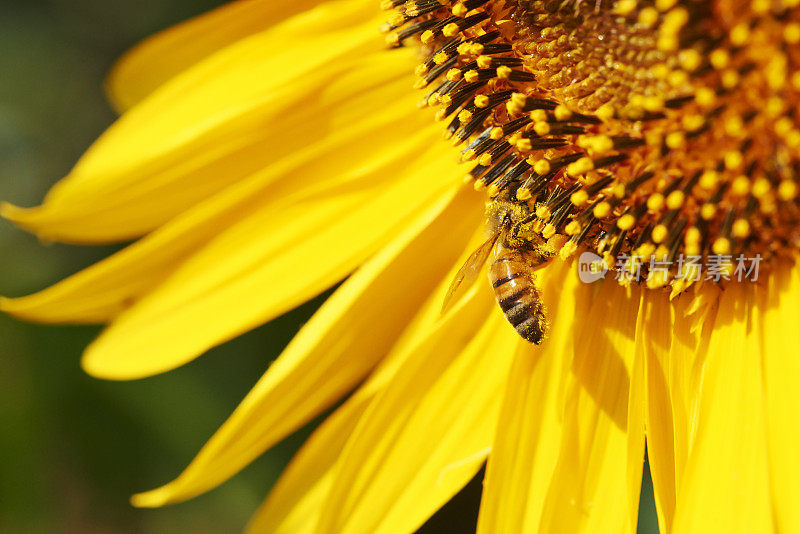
(74, 448)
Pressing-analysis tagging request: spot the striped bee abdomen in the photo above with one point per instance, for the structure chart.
(517, 295)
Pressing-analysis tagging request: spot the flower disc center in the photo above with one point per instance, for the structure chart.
(665, 130)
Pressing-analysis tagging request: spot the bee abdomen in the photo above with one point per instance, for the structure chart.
(518, 297)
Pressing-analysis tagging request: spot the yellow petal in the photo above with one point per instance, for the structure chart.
(654, 341)
(525, 447)
(669, 349)
(268, 264)
(590, 486)
(635, 429)
(781, 342)
(220, 121)
(102, 291)
(726, 486)
(424, 436)
(686, 360)
(294, 504)
(349, 334)
(157, 59)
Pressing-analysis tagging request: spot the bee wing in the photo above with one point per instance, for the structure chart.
(468, 272)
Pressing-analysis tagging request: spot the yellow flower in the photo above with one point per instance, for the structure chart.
(271, 148)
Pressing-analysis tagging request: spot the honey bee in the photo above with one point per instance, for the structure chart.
(517, 250)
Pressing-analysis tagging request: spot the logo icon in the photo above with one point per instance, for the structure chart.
(591, 268)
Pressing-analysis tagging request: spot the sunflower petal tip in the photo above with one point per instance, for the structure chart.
(98, 364)
(114, 90)
(11, 306)
(103, 372)
(150, 499)
(23, 308)
(113, 360)
(29, 219)
(11, 212)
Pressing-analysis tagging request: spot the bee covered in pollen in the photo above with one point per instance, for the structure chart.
(516, 249)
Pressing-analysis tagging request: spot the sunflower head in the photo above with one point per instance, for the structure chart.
(665, 129)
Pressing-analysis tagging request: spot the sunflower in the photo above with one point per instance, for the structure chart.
(269, 149)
